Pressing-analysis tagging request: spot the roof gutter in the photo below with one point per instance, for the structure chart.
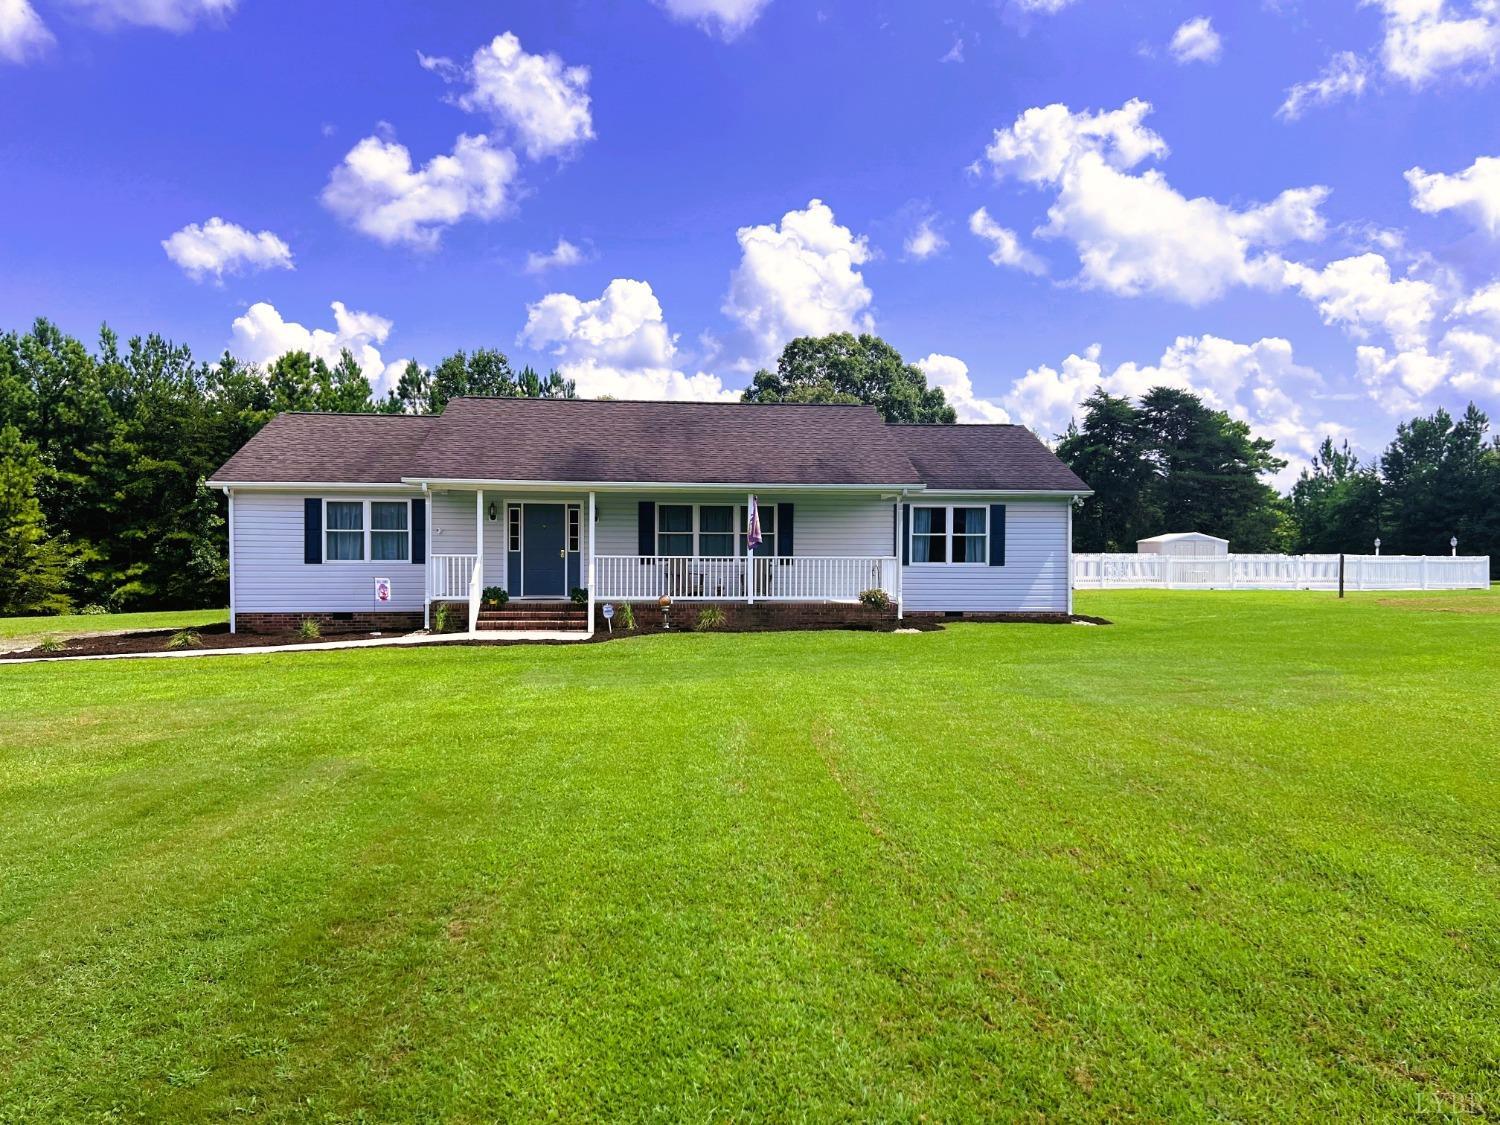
(637, 486)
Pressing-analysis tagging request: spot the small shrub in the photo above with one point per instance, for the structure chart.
(185, 638)
(494, 597)
(579, 595)
(94, 609)
(52, 644)
(709, 617)
(308, 629)
(626, 617)
(876, 599)
(442, 617)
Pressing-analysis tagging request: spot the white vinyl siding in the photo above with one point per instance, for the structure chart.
(1034, 578)
(271, 577)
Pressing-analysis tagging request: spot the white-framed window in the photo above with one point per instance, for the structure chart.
(575, 516)
(513, 528)
(344, 528)
(390, 531)
(949, 534)
(377, 530)
(715, 531)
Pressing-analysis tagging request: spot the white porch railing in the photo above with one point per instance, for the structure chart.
(449, 577)
(1280, 572)
(452, 578)
(796, 579)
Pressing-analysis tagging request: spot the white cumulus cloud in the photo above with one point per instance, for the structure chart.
(1250, 382)
(1426, 39)
(1197, 41)
(380, 193)
(952, 375)
(218, 247)
(540, 98)
(561, 256)
(23, 35)
(1474, 192)
(1135, 233)
(1345, 76)
(262, 335)
(1005, 246)
(169, 15)
(726, 18)
(925, 241)
(1360, 294)
(617, 344)
(800, 278)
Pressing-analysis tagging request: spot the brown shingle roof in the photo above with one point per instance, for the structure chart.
(679, 442)
(607, 442)
(329, 448)
(986, 458)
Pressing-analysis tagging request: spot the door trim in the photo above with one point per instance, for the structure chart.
(563, 507)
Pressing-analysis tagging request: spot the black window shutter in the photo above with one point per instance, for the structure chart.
(906, 535)
(997, 534)
(784, 539)
(312, 530)
(419, 530)
(646, 528)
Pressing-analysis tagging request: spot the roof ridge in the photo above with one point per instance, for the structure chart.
(661, 402)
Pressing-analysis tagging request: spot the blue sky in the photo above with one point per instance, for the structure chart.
(1292, 207)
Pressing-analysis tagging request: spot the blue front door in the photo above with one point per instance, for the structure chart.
(542, 556)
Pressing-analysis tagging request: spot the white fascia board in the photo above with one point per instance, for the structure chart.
(654, 486)
(312, 486)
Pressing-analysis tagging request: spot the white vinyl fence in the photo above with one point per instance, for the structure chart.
(1281, 572)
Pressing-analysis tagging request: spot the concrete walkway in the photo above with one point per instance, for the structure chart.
(487, 637)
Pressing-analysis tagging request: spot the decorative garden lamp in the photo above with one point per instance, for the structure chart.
(1377, 544)
(666, 611)
(1453, 543)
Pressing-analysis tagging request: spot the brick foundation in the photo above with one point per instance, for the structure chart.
(929, 616)
(744, 617)
(329, 623)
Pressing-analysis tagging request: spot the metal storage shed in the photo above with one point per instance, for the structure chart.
(1191, 543)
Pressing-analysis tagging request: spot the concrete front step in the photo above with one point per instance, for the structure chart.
(532, 615)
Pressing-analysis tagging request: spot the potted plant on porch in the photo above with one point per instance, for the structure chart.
(493, 597)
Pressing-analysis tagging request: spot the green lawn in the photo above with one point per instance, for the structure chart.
(1236, 856)
(12, 628)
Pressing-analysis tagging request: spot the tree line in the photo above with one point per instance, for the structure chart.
(105, 454)
(1171, 463)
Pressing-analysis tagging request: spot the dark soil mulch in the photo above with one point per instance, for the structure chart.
(155, 640)
(219, 636)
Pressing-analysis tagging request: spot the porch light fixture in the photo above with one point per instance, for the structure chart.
(494, 511)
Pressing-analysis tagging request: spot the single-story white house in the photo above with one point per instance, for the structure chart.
(368, 521)
(1193, 544)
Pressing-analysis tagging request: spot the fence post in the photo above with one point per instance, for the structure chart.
(1424, 572)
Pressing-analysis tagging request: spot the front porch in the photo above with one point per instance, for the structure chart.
(541, 547)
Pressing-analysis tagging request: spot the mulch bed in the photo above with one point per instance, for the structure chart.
(155, 640)
(219, 636)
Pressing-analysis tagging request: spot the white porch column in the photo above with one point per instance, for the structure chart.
(900, 573)
(476, 583)
(427, 564)
(591, 579)
(750, 502)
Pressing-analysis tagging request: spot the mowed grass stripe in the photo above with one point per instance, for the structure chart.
(1209, 861)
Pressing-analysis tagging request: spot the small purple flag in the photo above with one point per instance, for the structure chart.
(752, 535)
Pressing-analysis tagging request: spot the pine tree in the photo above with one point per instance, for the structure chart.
(33, 568)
